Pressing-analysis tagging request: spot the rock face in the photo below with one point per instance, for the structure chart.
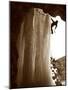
(59, 70)
(60, 64)
(29, 45)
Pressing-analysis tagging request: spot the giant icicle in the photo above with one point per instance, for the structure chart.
(33, 47)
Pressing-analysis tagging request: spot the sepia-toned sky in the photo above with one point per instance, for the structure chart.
(58, 39)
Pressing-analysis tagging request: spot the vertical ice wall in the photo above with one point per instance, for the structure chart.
(33, 47)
